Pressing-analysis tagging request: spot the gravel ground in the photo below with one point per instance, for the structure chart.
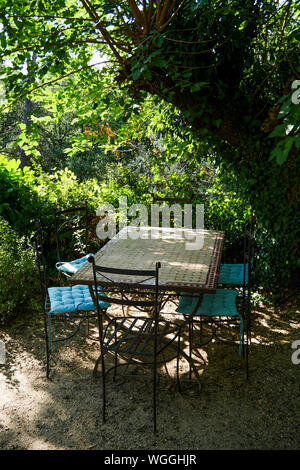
(64, 412)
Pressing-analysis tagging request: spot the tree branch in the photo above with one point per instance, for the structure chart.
(163, 13)
(51, 44)
(285, 56)
(136, 12)
(51, 17)
(189, 42)
(146, 19)
(52, 81)
(158, 10)
(150, 11)
(99, 25)
(286, 16)
(163, 26)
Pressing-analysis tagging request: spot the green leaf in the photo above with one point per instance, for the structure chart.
(137, 73)
(279, 131)
(197, 86)
(147, 74)
(159, 62)
(287, 147)
(3, 41)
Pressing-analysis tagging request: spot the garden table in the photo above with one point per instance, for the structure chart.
(182, 268)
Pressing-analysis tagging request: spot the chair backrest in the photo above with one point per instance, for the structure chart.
(249, 257)
(250, 241)
(176, 205)
(117, 292)
(37, 241)
(69, 223)
(171, 200)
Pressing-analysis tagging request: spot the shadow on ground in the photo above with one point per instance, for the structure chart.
(229, 412)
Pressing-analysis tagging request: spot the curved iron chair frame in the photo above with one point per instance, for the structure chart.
(248, 251)
(69, 226)
(244, 308)
(214, 323)
(172, 200)
(249, 259)
(181, 201)
(148, 333)
(37, 241)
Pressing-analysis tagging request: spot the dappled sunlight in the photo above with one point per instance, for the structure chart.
(273, 326)
(282, 332)
(65, 411)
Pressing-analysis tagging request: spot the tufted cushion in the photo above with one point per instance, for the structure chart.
(72, 267)
(233, 274)
(70, 299)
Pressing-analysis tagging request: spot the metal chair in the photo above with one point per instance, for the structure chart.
(71, 225)
(177, 205)
(171, 200)
(221, 309)
(65, 305)
(140, 339)
(238, 274)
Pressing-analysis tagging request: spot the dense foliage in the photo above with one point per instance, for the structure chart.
(227, 71)
(18, 277)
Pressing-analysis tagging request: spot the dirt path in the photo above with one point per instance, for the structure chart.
(229, 413)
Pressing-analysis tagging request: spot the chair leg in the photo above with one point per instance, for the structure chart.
(247, 350)
(191, 362)
(191, 328)
(247, 363)
(101, 357)
(47, 347)
(116, 356)
(201, 329)
(87, 327)
(96, 366)
(177, 362)
(48, 364)
(242, 339)
(103, 389)
(154, 397)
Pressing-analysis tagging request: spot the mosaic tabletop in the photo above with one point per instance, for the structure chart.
(190, 259)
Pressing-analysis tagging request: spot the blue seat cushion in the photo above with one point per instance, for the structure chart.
(220, 304)
(71, 299)
(233, 274)
(72, 267)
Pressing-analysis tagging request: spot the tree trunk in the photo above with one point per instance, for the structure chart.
(24, 159)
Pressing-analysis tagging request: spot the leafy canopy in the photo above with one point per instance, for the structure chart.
(230, 69)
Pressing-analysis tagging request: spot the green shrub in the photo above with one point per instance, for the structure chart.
(26, 195)
(223, 209)
(18, 276)
(229, 213)
(19, 203)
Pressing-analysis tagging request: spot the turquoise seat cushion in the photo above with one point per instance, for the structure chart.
(233, 274)
(72, 267)
(71, 299)
(220, 304)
